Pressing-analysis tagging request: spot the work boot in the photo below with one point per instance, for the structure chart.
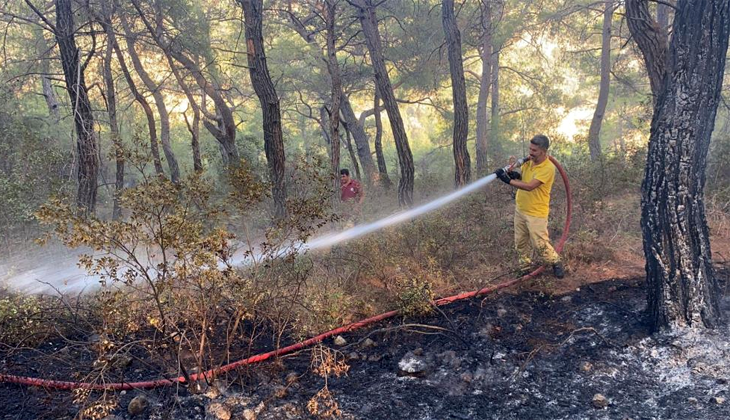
(558, 270)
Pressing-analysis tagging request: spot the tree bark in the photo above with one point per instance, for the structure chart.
(652, 41)
(494, 130)
(382, 168)
(485, 54)
(333, 68)
(156, 91)
(594, 132)
(264, 87)
(371, 33)
(462, 161)
(111, 106)
(682, 287)
(86, 142)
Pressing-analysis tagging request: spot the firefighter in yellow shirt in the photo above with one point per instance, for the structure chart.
(532, 206)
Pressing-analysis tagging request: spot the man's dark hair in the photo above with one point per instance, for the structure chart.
(541, 141)
(345, 172)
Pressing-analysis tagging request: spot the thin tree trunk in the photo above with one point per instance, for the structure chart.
(156, 91)
(264, 87)
(351, 152)
(193, 128)
(651, 39)
(225, 129)
(157, 162)
(662, 15)
(42, 49)
(462, 161)
(494, 129)
(594, 138)
(485, 54)
(333, 68)
(361, 142)
(86, 143)
(382, 168)
(683, 289)
(369, 24)
(111, 106)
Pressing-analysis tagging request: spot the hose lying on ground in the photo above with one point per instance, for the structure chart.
(54, 384)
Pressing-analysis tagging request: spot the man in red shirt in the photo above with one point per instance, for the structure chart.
(352, 195)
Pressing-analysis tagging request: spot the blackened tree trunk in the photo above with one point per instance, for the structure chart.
(382, 168)
(651, 39)
(462, 161)
(683, 290)
(333, 67)
(86, 144)
(361, 142)
(594, 138)
(156, 91)
(111, 106)
(485, 82)
(264, 87)
(371, 33)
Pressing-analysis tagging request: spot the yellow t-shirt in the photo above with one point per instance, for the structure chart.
(536, 203)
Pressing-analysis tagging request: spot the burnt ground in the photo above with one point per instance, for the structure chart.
(520, 354)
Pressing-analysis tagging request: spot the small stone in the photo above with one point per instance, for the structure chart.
(121, 361)
(566, 299)
(353, 356)
(586, 366)
(418, 352)
(612, 289)
(501, 312)
(218, 411)
(467, 377)
(412, 365)
(340, 341)
(717, 400)
(368, 343)
(249, 414)
(599, 401)
(138, 405)
(692, 400)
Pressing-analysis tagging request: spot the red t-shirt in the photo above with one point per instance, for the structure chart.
(350, 191)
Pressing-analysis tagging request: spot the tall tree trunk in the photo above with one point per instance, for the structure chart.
(333, 68)
(111, 106)
(683, 289)
(42, 49)
(462, 161)
(86, 143)
(594, 138)
(662, 15)
(351, 152)
(382, 168)
(651, 39)
(264, 87)
(156, 91)
(361, 142)
(485, 54)
(369, 24)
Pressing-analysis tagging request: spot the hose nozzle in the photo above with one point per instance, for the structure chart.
(517, 163)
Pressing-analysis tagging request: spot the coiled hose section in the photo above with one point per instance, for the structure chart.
(66, 385)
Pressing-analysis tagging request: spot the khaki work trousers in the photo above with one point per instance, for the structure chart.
(531, 234)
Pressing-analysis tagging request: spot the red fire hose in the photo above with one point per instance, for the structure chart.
(53, 384)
